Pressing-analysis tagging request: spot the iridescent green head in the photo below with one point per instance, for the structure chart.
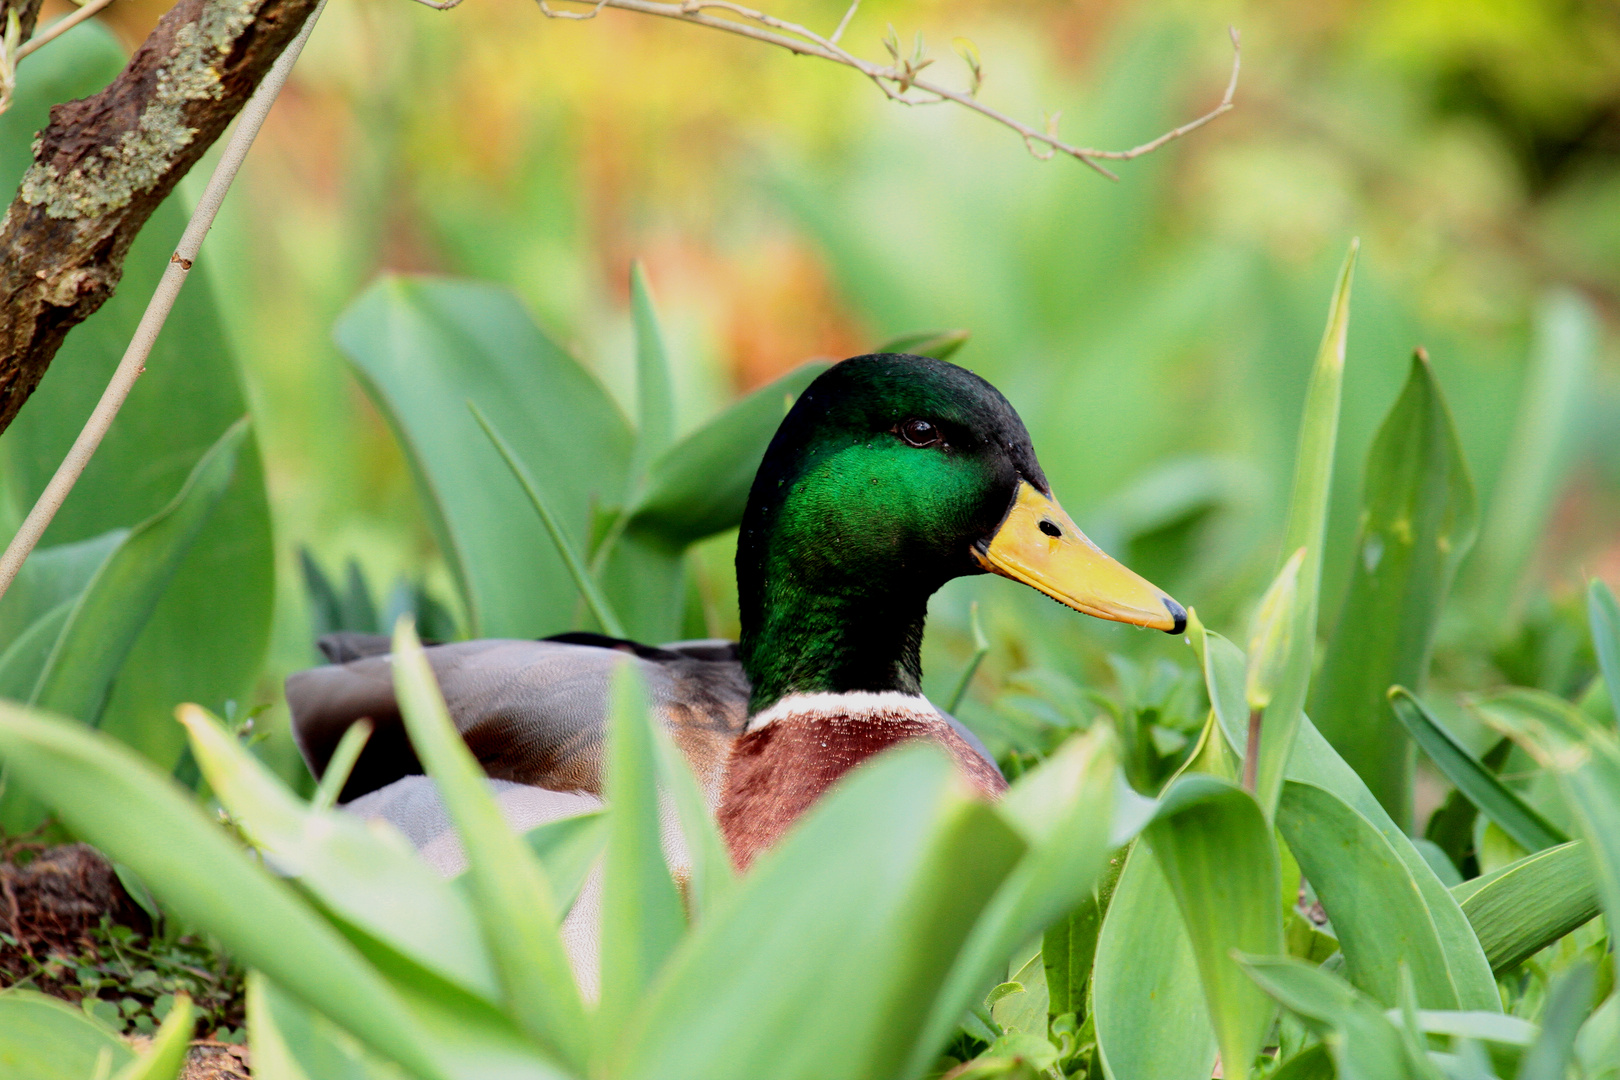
(891, 475)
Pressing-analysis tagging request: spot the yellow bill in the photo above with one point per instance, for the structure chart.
(1039, 545)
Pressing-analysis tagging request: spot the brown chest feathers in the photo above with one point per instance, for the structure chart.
(777, 772)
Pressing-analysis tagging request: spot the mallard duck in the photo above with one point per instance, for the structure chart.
(891, 475)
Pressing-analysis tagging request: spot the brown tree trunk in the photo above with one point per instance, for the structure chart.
(106, 162)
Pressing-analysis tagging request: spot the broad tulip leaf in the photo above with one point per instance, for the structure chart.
(1494, 799)
(423, 348)
(700, 485)
(655, 390)
(1379, 914)
(1418, 520)
(1152, 1022)
(642, 918)
(511, 897)
(1527, 905)
(45, 1038)
(577, 570)
(1307, 529)
(1211, 840)
(848, 925)
(122, 595)
(206, 638)
(1314, 763)
(110, 796)
(51, 577)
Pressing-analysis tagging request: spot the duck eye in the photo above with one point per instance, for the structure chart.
(1050, 528)
(919, 432)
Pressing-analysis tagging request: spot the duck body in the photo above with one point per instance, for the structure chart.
(889, 476)
(534, 713)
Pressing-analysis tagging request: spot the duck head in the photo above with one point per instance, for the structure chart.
(891, 475)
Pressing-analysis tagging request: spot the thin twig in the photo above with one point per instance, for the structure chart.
(805, 42)
(157, 310)
(60, 27)
(842, 23)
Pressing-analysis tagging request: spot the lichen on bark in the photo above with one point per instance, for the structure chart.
(142, 155)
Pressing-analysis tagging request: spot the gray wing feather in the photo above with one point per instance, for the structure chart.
(532, 712)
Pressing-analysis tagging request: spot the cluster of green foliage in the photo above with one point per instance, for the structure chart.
(130, 982)
(1084, 926)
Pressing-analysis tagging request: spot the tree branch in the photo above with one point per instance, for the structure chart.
(157, 309)
(106, 162)
(897, 80)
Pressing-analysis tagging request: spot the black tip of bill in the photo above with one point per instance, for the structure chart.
(1178, 613)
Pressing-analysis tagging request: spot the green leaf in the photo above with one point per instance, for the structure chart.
(1064, 810)
(559, 538)
(513, 902)
(1586, 762)
(51, 577)
(1211, 840)
(341, 764)
(1380, 916)
(1567, 1006)
(655, 391)
(1418, 520)
(1315, 764)
(111, 797)
(1312, 1063)
(45, 1038)
(166, 1056)
(940, 344)
(848, 925)
(370, 878)
(25, 657)
(1527, 905)
(567, 849)
(422, 348)
(1307, 528)
(1068, 951)
(642, 918)
(1365, 1045)
(1494, 799)
(713, 874)
(1604, 615)
(125, 590)
(292, 1043)
(1149, 1005)
(1539, 452)
(206, 638)
(700, 486)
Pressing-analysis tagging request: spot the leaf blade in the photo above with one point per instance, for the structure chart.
(1307, 529)
(1494, 799)
(1418, 519)
(512, 899)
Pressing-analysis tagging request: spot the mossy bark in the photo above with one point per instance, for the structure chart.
(105, 163)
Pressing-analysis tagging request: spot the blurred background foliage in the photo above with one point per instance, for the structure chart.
(1155, 334)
